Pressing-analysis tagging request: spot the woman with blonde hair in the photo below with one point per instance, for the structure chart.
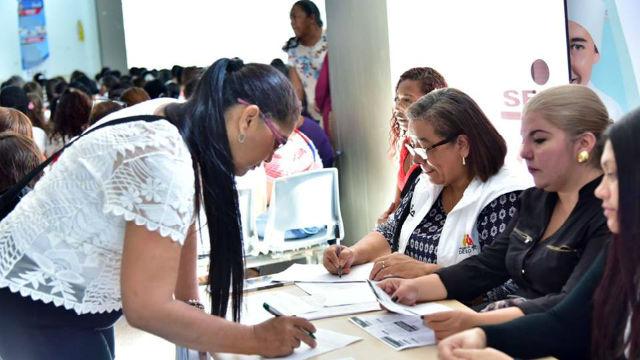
(556, 234)
(600, 318)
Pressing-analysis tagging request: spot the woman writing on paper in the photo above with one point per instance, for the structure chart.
(555, 236)
(459, 203)
(114, 229)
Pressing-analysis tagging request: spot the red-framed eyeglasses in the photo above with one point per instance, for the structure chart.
(279, 139)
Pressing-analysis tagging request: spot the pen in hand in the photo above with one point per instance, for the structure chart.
(277, 313)
(338, 249)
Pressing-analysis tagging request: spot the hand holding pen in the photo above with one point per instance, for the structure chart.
(280, 335)
(338, 259)
(273, 311)
(340, 267)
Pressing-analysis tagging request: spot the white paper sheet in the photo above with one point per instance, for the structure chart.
(253, 312)
(336, 294)
(326, 341)
(262, 283)
(291, 305)
(317, 273)
(420, 309)
(398, 331)
(342, 310)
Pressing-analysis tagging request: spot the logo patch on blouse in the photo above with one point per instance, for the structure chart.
(467, 246)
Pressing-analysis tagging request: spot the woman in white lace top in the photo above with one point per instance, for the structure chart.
(110, 227)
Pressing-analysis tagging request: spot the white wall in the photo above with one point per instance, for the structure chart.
(483, 48)
(66, 52)
(9, 43)
(162, 33)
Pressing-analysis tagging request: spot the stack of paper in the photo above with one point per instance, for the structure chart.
(308, 306)
(335, 294)
(317, 273)
(329, 295)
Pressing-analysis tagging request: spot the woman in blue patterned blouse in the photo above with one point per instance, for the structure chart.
(461, 200)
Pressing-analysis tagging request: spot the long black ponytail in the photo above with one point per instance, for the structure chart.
(202, 124)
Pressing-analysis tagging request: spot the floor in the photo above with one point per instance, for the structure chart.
(134, 344)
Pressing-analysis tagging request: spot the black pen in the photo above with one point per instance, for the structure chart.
(271, 310)
(338, 249)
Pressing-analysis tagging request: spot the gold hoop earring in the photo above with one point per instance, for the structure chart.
(241, 138)
(583, 156)
(464, 161)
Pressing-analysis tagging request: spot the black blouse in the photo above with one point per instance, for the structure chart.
(563, 332)
(544, 271)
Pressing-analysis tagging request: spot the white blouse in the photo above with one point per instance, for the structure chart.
(307, 60)
(63, 242)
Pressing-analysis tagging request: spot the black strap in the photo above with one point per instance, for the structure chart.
(9, 198)
(412, 180)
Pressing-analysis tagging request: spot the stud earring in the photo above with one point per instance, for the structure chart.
(583, 156)
(241, 138)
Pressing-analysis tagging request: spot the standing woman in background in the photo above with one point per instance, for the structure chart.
(412, 85)
(110, 228)
(306, 51)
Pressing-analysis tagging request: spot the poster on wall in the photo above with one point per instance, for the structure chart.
(34, 46)
(501, 59)
(604, 52)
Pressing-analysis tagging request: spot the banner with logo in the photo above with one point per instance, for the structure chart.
(604, 50)
(34, 46)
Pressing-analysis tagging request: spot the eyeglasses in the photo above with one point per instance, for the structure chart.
(279, 139)
(422, 152)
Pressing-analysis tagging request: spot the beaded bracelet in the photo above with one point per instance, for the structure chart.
(195, 303)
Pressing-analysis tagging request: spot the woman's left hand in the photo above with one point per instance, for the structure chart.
(400, 265)
(448, 323)
(478, 354)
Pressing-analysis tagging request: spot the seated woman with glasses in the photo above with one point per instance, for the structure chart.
(459, 202)
(555, 236)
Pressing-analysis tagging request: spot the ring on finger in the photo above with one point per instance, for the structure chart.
(383, 264)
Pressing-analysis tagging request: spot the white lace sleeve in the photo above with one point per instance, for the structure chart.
(154, 187)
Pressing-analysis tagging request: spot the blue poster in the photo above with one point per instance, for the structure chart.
(34, 46)
(604, 53)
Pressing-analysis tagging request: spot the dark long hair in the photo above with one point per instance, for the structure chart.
(310, 9)
(202, 124)
(619, 290)
(429, 80)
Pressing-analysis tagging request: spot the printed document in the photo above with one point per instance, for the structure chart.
(335, 294)
(317, 273)
(398, 331)
(384, 299)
